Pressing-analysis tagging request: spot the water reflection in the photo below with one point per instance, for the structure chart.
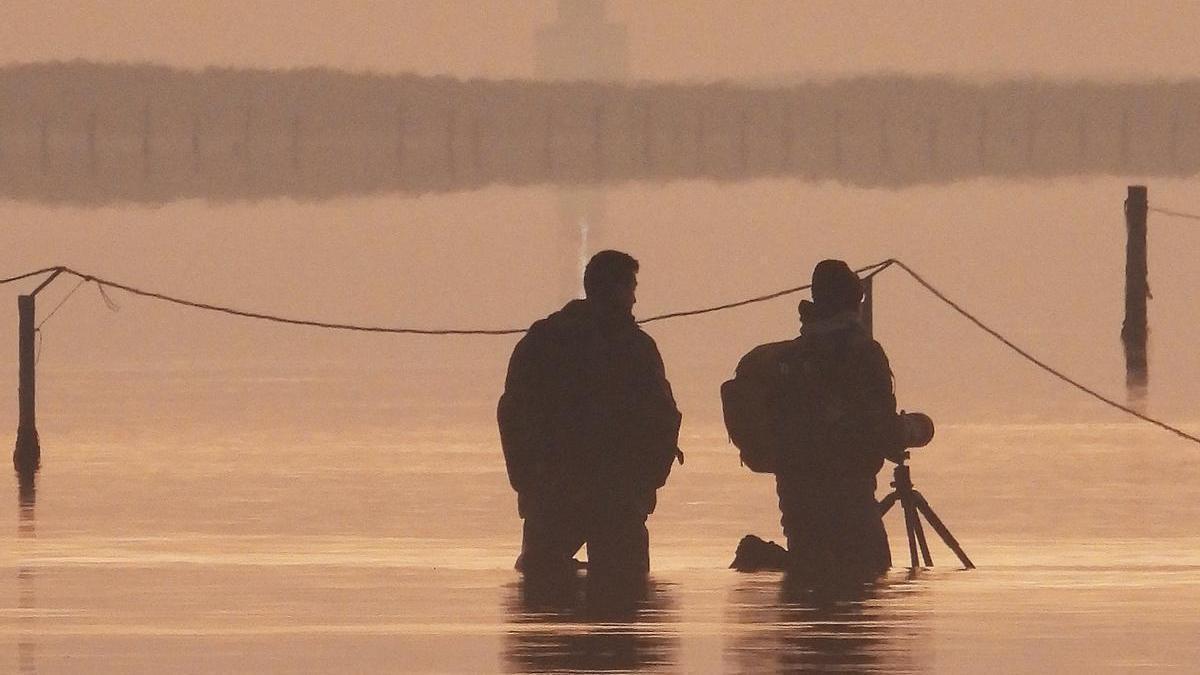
(571, 624)
(26, 492)
(98, 134)
(790, 628)
(26, 589)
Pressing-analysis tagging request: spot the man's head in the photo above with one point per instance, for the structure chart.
(610, 279)
(835, 287)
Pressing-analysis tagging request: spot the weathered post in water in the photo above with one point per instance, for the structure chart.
(27, 457)
(1134, 330)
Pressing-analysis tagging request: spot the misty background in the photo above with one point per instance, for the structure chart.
(1041, 259)
(703, 40)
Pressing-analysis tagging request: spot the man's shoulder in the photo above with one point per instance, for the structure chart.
(856, 338)
(869, 355)
(548, 330)
(641, 335)
(644, 341)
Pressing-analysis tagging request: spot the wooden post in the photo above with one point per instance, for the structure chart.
(981, 139)
(401, 131)
(475, 139)
(1031, 136)
(241, 147)
(868, 306)
(1173, 137)
(44, 142)
(885, 145)
(297, 133)
(648, 133)
(451, 141)
(931, 141)
(147, 133)
(1123, 142)
(1082, 141)
(195, 142)
(598, 140)
(92, 158)
(787, 134)
(744, 142)
(548, 143)
(1135, 330)
(837, 140)
(27, 457)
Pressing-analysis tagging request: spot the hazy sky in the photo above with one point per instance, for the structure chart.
(1043, 261)
(695, 39)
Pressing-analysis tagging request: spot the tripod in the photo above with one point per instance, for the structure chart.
(915, 506)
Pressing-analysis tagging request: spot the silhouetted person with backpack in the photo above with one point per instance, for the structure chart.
(819, 412)
(589, 428)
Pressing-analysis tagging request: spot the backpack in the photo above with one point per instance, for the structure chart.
(753, 405)
(784, 405)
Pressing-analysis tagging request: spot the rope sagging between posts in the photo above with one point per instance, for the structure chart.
(1038, 362)
(1174, 214)
(868, 272)
(19, 277)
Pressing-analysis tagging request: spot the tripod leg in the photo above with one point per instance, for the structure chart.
(936, 523)
(910, 525)
(886, 503)
(921, 543)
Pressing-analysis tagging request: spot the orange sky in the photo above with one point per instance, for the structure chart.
(1042, 261)
(699, 39)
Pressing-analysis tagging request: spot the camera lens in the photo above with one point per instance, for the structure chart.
(918, 429)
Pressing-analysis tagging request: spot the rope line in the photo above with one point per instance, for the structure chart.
(108, 302)
(1175, 214)
(868, 271)
(103, 283)
(875, 269)
(1038, 362)
(28, 274)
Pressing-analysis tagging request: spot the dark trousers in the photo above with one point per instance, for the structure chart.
(833, 525)
(616, 537)
(840, 538)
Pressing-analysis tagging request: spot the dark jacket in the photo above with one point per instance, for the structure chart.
(587, 414)
(826, 486)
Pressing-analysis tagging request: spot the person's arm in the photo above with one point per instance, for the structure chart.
(876, 404)
(661, 420)
(521, 416)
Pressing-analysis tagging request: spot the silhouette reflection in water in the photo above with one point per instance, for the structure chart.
(26, 590)
(574, 624)
(791, 627)
(26, 492)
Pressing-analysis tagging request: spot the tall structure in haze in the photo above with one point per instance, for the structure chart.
(581, 45)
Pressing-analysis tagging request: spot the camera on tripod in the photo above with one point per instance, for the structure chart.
(916, 429)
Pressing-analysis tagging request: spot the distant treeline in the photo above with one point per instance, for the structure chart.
(97, 133)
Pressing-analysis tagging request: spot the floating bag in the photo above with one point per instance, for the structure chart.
(752, 405)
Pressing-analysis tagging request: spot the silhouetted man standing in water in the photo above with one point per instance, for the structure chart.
(589, 428)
